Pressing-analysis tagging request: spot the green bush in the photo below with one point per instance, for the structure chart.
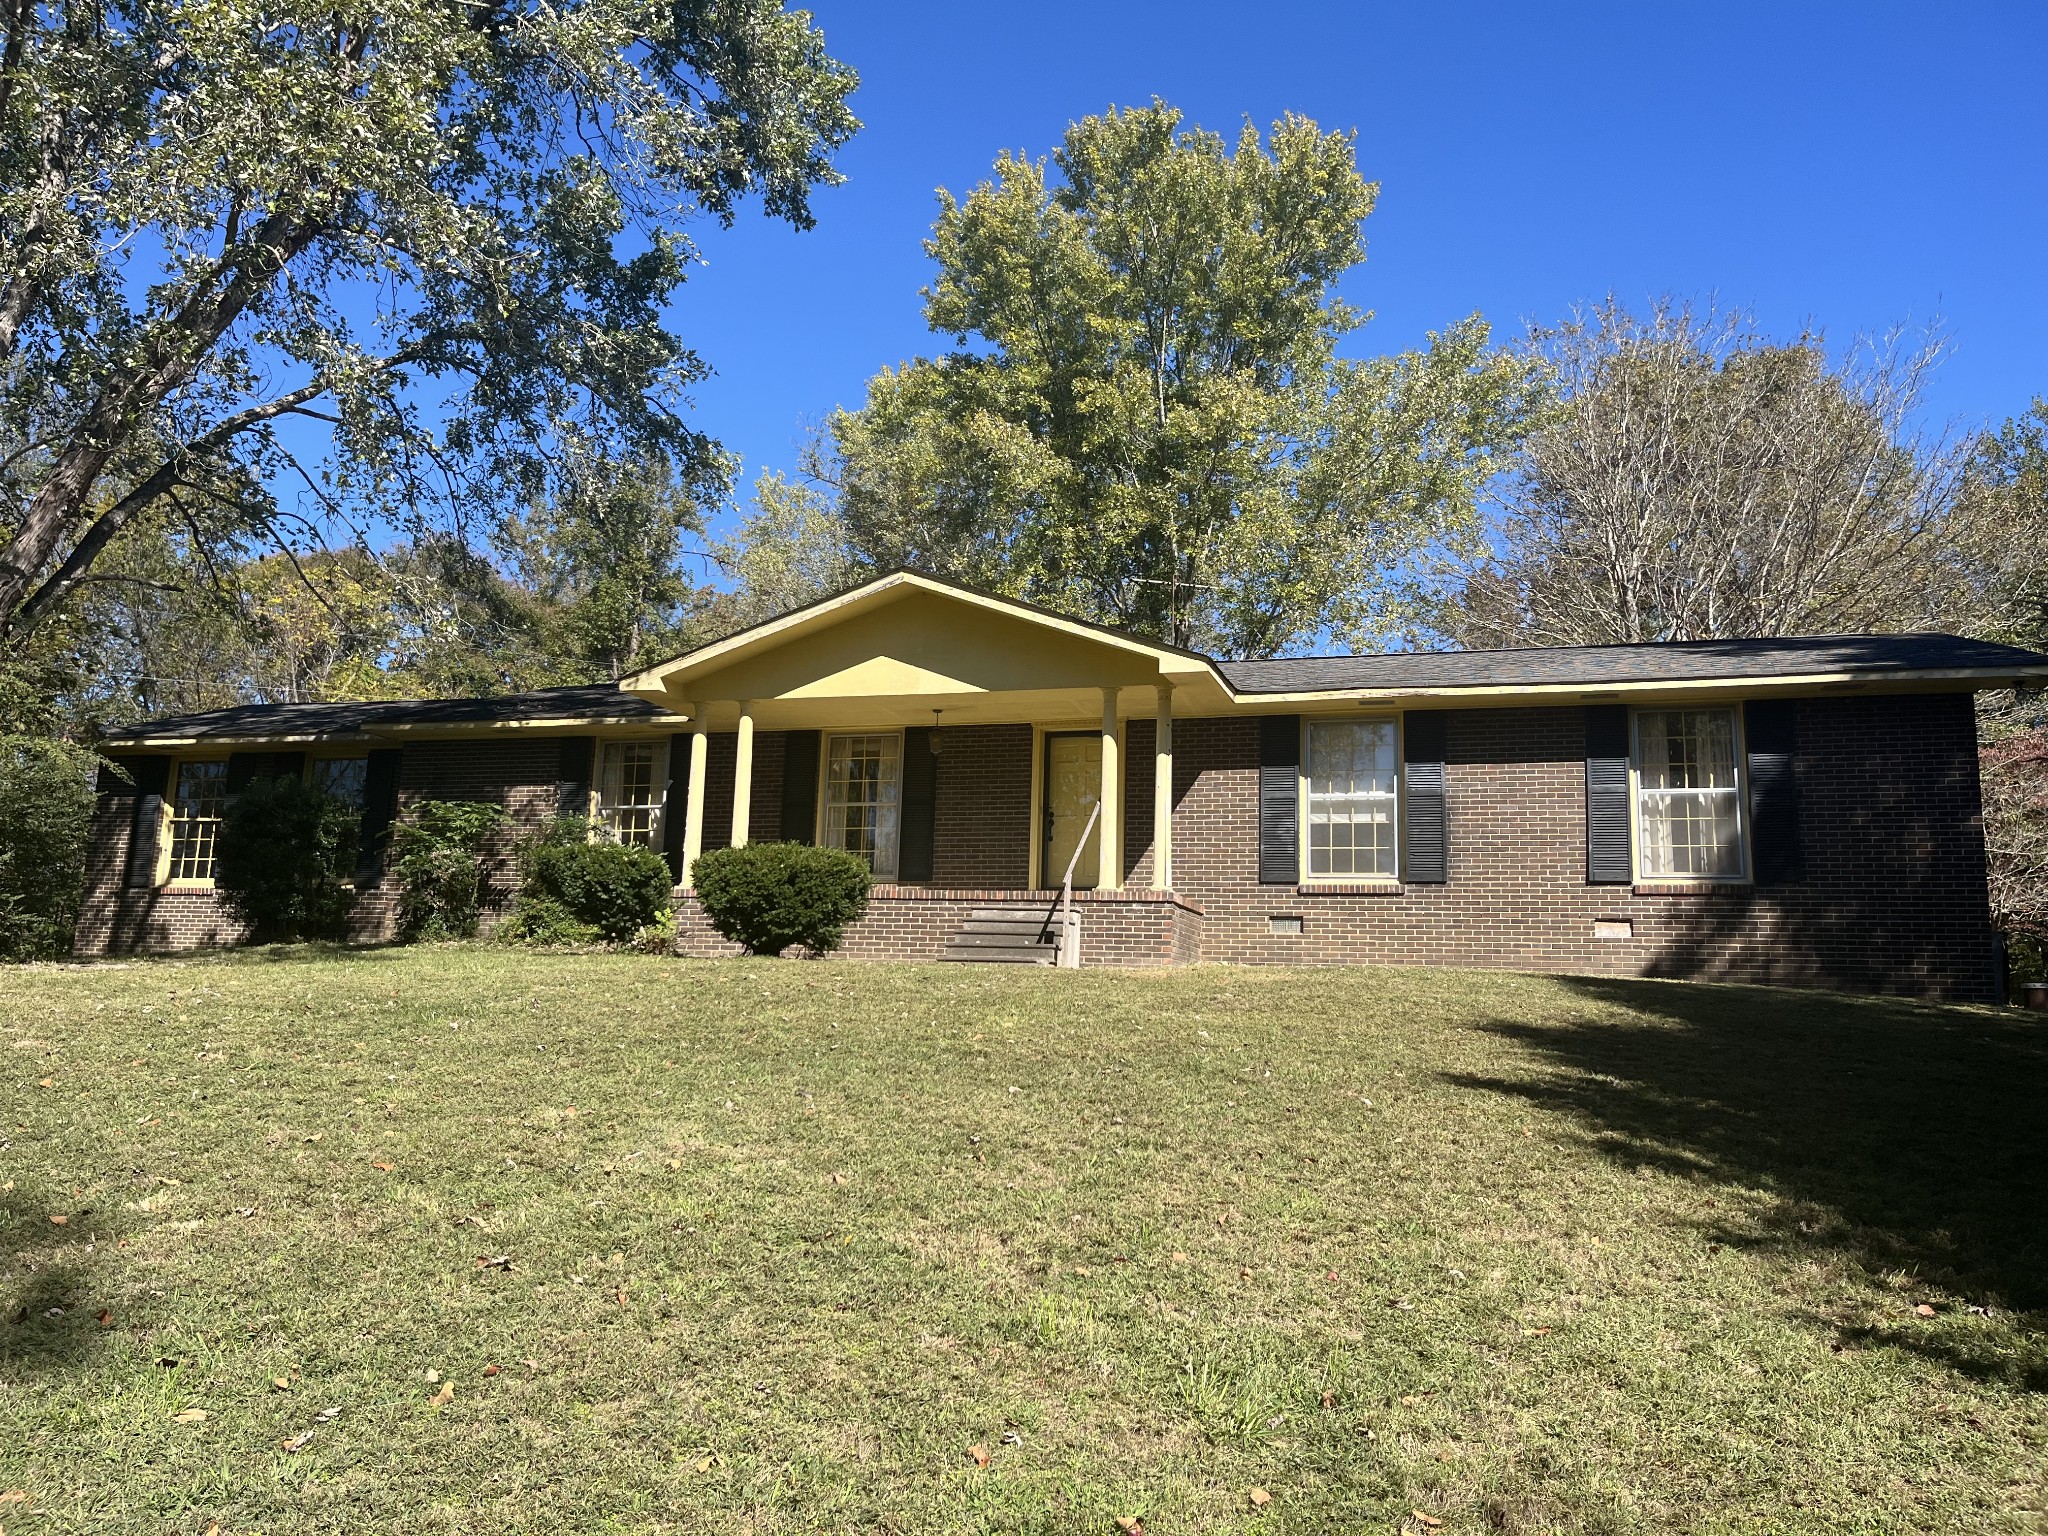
(615, 888)
(45, 823)
(537, 919)
(437, 856)
(286, 854)
(768, 896)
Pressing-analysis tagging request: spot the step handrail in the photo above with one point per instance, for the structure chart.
(1069, 955)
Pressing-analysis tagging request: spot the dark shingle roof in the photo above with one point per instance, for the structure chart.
(1679, 661)
(600, 701)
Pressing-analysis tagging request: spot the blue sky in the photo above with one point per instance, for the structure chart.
(1852, 165)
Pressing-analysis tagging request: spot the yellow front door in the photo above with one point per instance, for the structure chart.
(1073, 785)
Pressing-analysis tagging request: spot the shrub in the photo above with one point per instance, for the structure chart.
(45, 823)
(538, 919)
(615, 888)
(286, 853)
(768, 896)
(437, 855)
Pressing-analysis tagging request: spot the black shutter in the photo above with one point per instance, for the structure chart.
(675, 807)
(573, 776)
(244, 766)
(799, 786)
(1770, 729)
(380, 810)
(920, 803)
(1608, 860)
(1425, 845)
(152, 781)
(1279, 799)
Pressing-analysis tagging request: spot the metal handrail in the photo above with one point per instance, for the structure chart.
(1067, 890)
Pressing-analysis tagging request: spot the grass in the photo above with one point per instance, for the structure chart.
(549, 1243)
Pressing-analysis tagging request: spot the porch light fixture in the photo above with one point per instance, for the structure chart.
(934, 737)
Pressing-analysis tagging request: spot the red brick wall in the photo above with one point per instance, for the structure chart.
(981, 818)
(1893, 899)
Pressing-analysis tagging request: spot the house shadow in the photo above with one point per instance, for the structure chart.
(1908, 1140)
(51, 1300)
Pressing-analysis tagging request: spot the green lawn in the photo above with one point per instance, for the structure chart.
(463, 1239)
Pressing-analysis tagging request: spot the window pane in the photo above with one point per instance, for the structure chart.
(631, 791)
(1352, 798)
(863, 794)
(195, 819)
(1689, 808)
(341, 778)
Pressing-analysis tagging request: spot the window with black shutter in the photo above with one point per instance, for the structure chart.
(800, 786)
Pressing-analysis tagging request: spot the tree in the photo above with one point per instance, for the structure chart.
(791, 549)
(445, 229)
(1692, 478)
(1144, 419)
(609, 556)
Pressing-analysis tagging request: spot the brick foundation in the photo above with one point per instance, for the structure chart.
(903, 922)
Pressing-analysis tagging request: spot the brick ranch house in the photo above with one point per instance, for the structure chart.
(1800, 812)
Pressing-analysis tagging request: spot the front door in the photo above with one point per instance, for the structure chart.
(1073, 784)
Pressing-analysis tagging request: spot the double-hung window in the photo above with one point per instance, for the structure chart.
(1352, 788)
(341, 778)
(1688, 795)
(864, 797)
(632, 785)
(196, 803)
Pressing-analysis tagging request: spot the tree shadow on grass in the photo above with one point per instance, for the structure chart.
(51, 1289)
(1903, 1138)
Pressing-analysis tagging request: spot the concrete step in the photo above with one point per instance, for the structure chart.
(1038, 955)
(983, 940)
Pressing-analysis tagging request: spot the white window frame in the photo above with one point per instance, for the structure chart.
(1302, 801)
(1637, 802)
(604, 808)
(167, 830)
(823, 831)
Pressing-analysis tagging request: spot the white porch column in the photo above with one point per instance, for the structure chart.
(1109, 873)
(693, 803)
(1162, 792)
(743, 778)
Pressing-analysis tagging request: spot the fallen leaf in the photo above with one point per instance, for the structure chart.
(60, 1221)
(1429, 1520)
(502, 1261)
(619, 1295)
(444, 1397)
(674, 1163)
(1924, 1310)
(978, 1454)
(1329, 1399)
(384, 1167)
(282, 1383)
(48, 1082)
(1130, 1525)
(317, 1136)
(492, 1370)
(104, 1318)
(17, 1496)
(1411, 1402)
(328, 1415)
(1330, 1274)
(1011, 1437)
(704, 1465)
(1259, 1497)
(432, 1376)
(1179, 1257)
(1534, 1333)
(297, 1442)
(837, 1178)
(190, 1416)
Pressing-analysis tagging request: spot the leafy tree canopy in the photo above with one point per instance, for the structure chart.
(439, 231)
(1144, 418)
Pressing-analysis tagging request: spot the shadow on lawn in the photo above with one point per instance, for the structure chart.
(49, 1302)
(1902, 1138)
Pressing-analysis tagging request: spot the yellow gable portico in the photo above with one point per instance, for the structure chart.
(906, 650)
